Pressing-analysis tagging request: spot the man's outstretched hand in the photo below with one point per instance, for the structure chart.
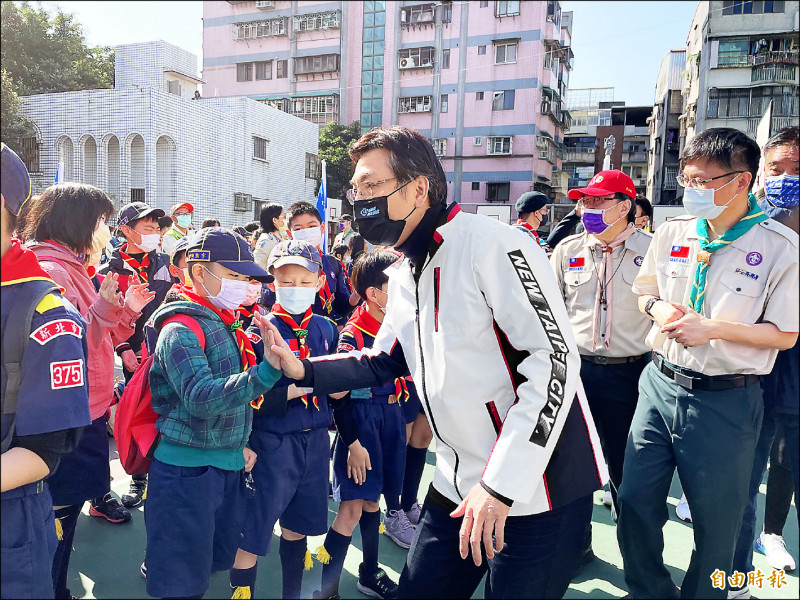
(277, 351)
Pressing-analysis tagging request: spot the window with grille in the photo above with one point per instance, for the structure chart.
(505, 53)
(419, 14)
(476, 141)
(414, 104)
(324, 63)
(260, 148)
(282, 68)
(259, 29)
(317, 109)
(476, 185)
(263, 70)
(497, 192)
(499, 145)
(317, 21)
(29, 153)
(503, 100)
(506, 8)
(137, 194)
(440, 146)
(312, 166)
(244, 71)
(417, 58)
(242, 202)
(446, 58)
(443, 103)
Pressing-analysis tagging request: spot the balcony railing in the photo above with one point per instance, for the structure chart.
(777, 123)
(762, 58)
(741, 60)
(773, 73)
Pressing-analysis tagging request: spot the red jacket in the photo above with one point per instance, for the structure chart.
(106, 324)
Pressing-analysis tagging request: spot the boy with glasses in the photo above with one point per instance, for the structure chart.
(721, 287)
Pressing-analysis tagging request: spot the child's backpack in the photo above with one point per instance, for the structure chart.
(135, 420)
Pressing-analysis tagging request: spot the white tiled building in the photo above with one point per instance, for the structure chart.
(148, 140)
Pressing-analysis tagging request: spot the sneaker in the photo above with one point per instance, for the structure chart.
(742, 594)
(682, 510)
(413, 514)
(135, 493)
(377, 585)
(607, 499)
(110, 509)
(398, 528)
(773, 547)
(143, 570)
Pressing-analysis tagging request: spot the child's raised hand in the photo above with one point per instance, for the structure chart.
(277, 351)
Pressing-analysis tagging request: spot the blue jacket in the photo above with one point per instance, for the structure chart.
(277, 415)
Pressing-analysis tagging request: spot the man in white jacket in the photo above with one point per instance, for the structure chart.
(475, 312)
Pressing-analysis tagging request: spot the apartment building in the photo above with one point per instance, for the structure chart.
(484, 81)
(665, 129)
(150, 140)
(741, 56)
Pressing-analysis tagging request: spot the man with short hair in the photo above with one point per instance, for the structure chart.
(181, 214)
(347, 231)
(474, 308)
(781, 387)
(532, 211)
(720, 284)
(644, 214)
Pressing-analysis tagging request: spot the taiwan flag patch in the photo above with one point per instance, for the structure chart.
(576, 264)
(679, 254)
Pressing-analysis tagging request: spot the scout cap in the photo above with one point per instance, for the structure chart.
(295, 252)
(134, 211)
(223, 246)
(530, 202)
(15, 181)
(604, 184)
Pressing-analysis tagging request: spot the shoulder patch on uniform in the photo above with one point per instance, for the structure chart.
(55, 329)
(49, 302)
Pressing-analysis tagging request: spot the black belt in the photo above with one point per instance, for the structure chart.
(692, 380)
(611, 360)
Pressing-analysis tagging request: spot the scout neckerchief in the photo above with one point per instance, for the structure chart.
(301, 333)
(325, 293)
(138, 267)
(603, 296)
(753, 217)
(526, 225)
(363, 322)
(230, 320)
(19, 264)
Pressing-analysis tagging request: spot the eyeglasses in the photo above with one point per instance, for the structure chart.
(697, 183)
(594, 202)
(365, 190)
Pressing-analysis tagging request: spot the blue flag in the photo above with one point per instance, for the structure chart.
(59, 174)
(322, 207)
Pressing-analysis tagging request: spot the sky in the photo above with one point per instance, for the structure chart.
(617, 44)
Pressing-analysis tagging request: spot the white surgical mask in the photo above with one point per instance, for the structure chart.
(295, 300)
(149, 242)
(232, 293)
(312, 235)
(700, 203)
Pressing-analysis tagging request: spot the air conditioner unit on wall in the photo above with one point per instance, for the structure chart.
(407, 63)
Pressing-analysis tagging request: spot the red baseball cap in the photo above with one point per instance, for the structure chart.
(176, 207)
(605, 183)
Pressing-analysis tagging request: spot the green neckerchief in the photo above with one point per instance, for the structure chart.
(754, 216)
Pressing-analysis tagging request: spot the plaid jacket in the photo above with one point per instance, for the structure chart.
(202, 397)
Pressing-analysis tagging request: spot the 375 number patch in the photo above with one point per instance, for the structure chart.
(66, 374)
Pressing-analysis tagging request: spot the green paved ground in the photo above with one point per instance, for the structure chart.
(106, 560)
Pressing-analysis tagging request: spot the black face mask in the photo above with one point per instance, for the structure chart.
(543, 222)
(374, 224)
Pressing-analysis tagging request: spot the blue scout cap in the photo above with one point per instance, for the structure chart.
(134, 211)
(15, 181)
(223, 246)
(295, 252)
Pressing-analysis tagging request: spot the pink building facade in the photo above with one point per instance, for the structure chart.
(483, 80)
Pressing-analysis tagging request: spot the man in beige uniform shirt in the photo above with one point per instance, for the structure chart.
(721, 286)
(595, 270)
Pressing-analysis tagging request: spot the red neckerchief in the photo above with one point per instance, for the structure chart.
(246, 312)
(140, 268)
(364, 321)
(527, 226)
(20, 264)
(301, 333)
(229, 319)
(325, 293)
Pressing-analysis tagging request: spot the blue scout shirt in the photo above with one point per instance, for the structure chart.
(299, 414)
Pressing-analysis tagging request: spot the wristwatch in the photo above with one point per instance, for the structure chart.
(649, 305)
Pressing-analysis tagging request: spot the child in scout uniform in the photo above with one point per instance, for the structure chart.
(202, 396)
(595, 270)
(48, 387)
(290, 431)
(721, 287)
(372, 462)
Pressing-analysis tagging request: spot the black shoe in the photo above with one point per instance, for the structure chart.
(110, 509)
(376, 585)
(135, 494)
(317, 595)
(587, 557)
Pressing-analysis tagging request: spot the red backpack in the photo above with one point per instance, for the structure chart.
(135, 420)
